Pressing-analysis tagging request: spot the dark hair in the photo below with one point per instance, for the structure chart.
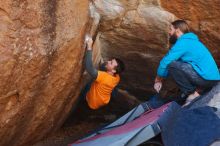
(120, 67)
(182, 25)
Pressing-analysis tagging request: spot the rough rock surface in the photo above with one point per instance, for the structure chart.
(40, 66)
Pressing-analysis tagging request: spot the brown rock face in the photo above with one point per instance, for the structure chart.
(41, 66)
(203, 16)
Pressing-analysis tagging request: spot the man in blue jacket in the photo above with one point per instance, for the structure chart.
(188, 62)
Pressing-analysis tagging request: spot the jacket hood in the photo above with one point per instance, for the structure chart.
(189, 35)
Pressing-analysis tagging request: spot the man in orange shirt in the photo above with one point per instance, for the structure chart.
(104, 82)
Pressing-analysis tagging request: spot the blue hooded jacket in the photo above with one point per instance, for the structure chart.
(189, 49)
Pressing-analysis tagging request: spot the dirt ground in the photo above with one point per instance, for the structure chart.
(84, 120)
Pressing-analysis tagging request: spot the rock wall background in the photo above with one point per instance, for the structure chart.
(203, 17)
(136, 31)
(41, 53)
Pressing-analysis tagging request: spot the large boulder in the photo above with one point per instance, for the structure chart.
(40, 66)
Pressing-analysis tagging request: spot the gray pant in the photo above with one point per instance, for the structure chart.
(187, 78)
